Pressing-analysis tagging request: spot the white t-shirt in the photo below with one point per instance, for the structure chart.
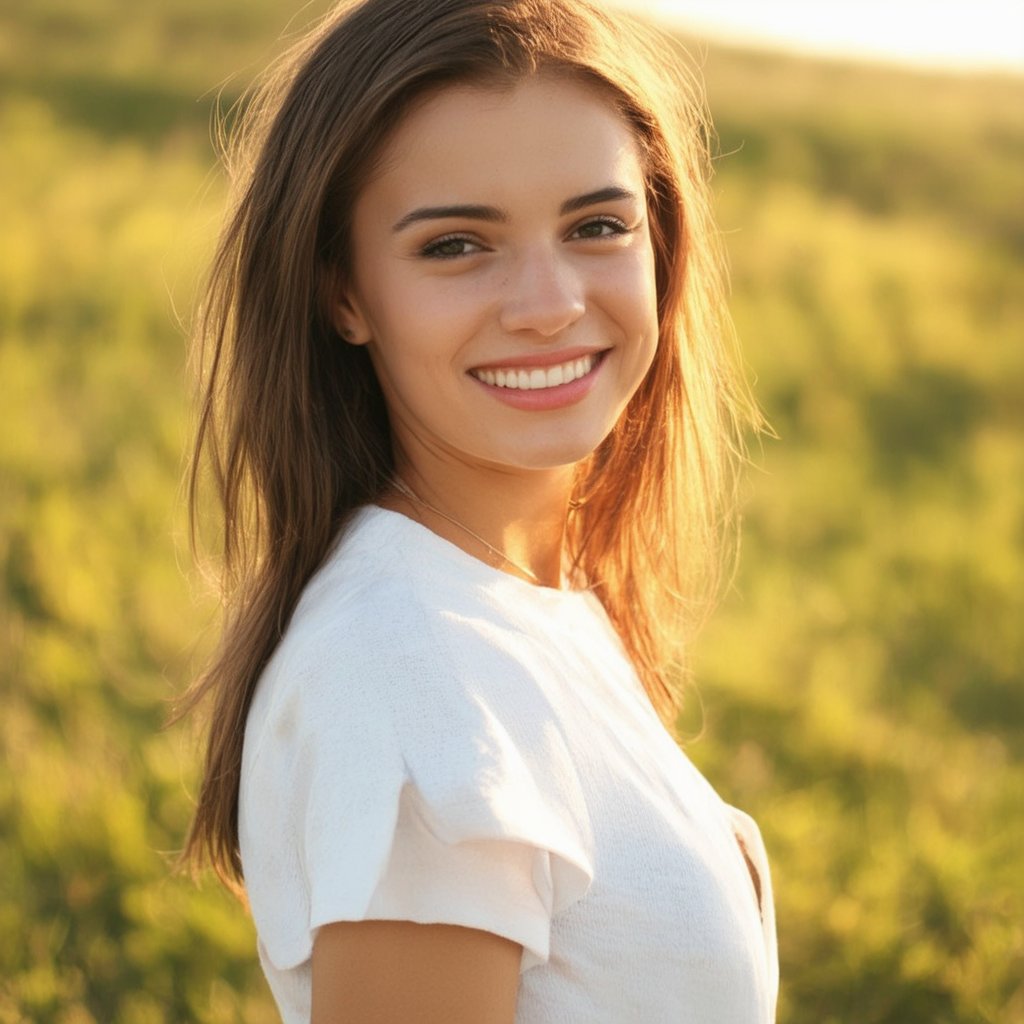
(438, 741)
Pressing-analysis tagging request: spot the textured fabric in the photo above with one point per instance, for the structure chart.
(438, 741)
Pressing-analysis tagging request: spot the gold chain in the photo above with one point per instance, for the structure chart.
(403, 488)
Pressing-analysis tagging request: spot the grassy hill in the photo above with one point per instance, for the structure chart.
(860, 691)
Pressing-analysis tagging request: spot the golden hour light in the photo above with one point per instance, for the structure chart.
(845, 236)
(987, 35)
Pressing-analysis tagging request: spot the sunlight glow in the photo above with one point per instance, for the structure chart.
(955, 34)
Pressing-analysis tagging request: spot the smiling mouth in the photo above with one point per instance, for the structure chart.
(539, 378)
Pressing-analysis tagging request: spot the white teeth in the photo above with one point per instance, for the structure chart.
(537, 379)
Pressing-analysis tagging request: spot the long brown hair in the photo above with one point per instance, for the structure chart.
(292, 423)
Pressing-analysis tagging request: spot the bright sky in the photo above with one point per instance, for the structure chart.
(963, 34)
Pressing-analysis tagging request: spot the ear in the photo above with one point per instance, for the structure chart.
(348, 318)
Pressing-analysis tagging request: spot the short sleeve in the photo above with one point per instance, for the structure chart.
(421, 781)
(497, 885)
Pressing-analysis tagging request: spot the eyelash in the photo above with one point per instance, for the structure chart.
(432, 250)
(607, 221)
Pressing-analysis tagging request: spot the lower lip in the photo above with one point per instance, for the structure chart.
(542, 399)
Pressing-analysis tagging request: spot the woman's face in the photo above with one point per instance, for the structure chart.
(504, 276)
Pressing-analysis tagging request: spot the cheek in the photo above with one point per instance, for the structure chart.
(648, 300)
(632, 294)
(640, 307)
(418, 336)
(424, 318)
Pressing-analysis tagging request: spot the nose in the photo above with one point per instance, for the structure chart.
(543, 294)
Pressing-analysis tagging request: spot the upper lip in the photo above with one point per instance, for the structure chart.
(539, 360)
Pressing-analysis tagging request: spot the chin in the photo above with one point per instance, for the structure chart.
(558, 452)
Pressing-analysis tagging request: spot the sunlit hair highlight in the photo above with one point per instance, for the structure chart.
(292, 425)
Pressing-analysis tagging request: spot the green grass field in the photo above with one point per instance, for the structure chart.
(861, 690)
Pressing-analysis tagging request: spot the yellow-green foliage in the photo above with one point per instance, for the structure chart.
(861, 686)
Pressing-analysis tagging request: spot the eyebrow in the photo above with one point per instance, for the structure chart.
(494, 215)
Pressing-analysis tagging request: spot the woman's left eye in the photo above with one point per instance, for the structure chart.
(600, 227)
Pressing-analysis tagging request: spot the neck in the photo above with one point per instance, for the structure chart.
(518, 519)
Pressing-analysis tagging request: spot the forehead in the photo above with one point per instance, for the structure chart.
(482, 143)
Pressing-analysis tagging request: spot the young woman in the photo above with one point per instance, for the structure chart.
(470, 412)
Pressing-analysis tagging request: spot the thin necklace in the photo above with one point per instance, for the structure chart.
(403, 488)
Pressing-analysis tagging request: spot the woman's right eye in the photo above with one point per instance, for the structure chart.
(450, 247)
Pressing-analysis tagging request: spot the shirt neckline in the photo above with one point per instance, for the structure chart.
(484, 570)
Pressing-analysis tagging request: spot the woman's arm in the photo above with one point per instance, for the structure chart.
(385, 972)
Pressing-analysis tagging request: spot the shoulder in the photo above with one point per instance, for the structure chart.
(402, 682)
(388, 626)
(401, 653)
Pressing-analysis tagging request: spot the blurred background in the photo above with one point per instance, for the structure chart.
(860, 691)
